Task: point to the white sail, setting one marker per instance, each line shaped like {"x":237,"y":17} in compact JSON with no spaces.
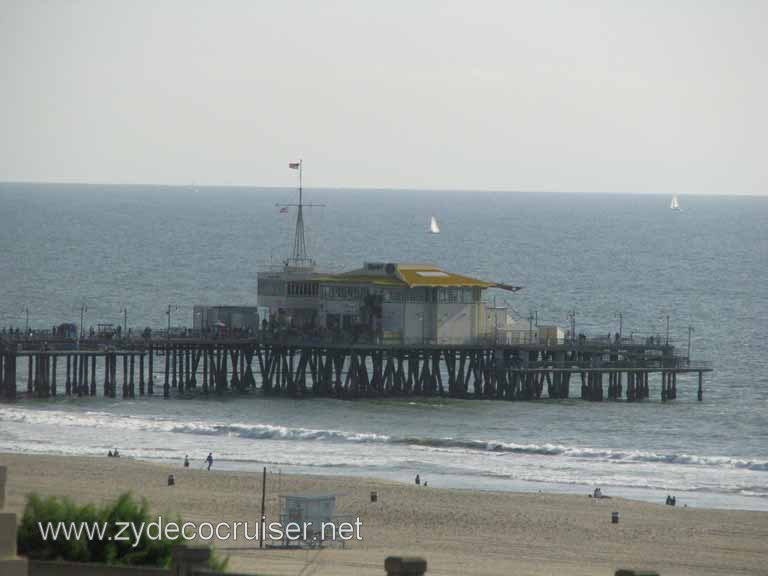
{"x":674,"y":205}
{"x":433,"y":227}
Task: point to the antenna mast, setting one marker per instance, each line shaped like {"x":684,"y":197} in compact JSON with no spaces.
{"x":299,"y":257}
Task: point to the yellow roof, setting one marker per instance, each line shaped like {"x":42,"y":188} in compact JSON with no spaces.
{"x":406,"y":276}
{"x":416,"y":275}
{"x":356,"y":277}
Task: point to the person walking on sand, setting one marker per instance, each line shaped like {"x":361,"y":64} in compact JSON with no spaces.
{"x":186,"y":461}
{"x":209,"y":460}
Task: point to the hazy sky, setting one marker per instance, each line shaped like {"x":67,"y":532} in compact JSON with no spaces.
{"x":635,"y":96}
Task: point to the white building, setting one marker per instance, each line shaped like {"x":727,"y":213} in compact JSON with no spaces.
{"x":502,"y":327}
{"x":391,"y":301}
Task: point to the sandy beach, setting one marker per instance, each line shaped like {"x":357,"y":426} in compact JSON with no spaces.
{"x":457,"y":531}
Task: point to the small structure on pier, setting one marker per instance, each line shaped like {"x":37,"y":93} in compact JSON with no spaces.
{"x":215,"y":318}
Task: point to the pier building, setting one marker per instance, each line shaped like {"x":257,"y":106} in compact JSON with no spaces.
{"x":388,"y":301}
{"x":384,"y":301}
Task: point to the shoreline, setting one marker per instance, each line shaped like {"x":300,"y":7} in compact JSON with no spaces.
{"x":713,"y":500}
{"x":458,"y":531}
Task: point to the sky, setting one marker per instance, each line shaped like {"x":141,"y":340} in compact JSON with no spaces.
{"x":594,"y":96}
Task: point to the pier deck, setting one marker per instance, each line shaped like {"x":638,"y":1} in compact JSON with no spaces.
{"x":597,"y":369}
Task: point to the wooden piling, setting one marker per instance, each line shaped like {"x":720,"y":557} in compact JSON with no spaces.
{"x":151,"y":374}
{"x":354,"y":371}
{"x":132,"y":382}
{"x":205,"y":370}
{"x":166,"y":384}
{"x":173,"y":367}
{"x":700,"y":394}
{"x":68,"y":382}
{"x":141,"y":373}
{"x":125,"y":376}
{"x":93,"y":374}
{"x":30,"y":384}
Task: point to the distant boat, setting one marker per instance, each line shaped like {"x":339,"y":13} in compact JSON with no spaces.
{"x":433,"y":227}
{"x":675,"y":205}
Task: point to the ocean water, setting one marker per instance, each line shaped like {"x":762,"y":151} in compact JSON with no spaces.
{"x":144,"y":247}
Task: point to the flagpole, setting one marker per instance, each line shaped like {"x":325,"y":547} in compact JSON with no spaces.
{"x":299,"y":256}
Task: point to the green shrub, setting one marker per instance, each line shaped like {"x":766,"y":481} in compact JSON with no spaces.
{"x":52,"y":509}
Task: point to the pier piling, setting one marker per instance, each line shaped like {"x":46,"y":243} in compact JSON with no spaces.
{"x":503,"y":372}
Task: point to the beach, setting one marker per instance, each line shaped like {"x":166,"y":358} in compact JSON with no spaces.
{"x":456,"y":531}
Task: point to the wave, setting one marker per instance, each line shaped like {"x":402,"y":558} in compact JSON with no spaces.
{"x":589,"y":453}
{"x":285,"y":433}
{"x":269,"y":432}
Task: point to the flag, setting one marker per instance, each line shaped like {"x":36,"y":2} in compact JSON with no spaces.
{"x":294,"y":165}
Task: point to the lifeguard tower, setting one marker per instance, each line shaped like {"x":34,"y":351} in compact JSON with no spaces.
{"x":314,"y":507}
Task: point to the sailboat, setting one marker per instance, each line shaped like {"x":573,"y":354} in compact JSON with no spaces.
{"x":675,"y":205}
{"x":433,"y":227}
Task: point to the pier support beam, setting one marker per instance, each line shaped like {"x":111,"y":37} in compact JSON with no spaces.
{"x":204,"y":352}
{"x":29,"y":376}
{"x":132,"y":382}
{"x":166,"y":384}
{"x":53,"y":375}
{"x":151,"y":375}
{"x":68,"y":382}
{"x":9,"y":380}
{"x":172,"y":359}
{"x":77,"y":374}
{"x":125,"y":376}
{"x":86,"y":374}
{"x":93,"y":375}
{"x":141,"y":374}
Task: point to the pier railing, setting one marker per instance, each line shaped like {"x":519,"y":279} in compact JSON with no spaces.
{"x":670,"y":363}
{"x":96,"y":341}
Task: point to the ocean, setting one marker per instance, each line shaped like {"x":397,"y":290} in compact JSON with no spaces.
{"x":145,"y":247}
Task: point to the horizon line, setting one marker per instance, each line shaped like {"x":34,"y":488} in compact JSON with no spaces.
{"x":376,"y":188}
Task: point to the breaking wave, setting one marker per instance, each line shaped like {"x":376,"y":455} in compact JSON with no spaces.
{"x":285,"y":433}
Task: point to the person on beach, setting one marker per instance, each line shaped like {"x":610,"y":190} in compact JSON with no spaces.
{"x":417,"y":480}
{"x":209,"y":460}
{"x":186,"y":461}
{"x":116,"y":454}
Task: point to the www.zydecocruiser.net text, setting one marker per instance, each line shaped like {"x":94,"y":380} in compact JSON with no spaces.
{"x":202,"y":531}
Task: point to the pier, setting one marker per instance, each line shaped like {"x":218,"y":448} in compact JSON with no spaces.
{"x":593,"y":370}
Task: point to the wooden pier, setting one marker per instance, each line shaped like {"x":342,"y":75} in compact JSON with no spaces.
{"x":182,"y":367}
